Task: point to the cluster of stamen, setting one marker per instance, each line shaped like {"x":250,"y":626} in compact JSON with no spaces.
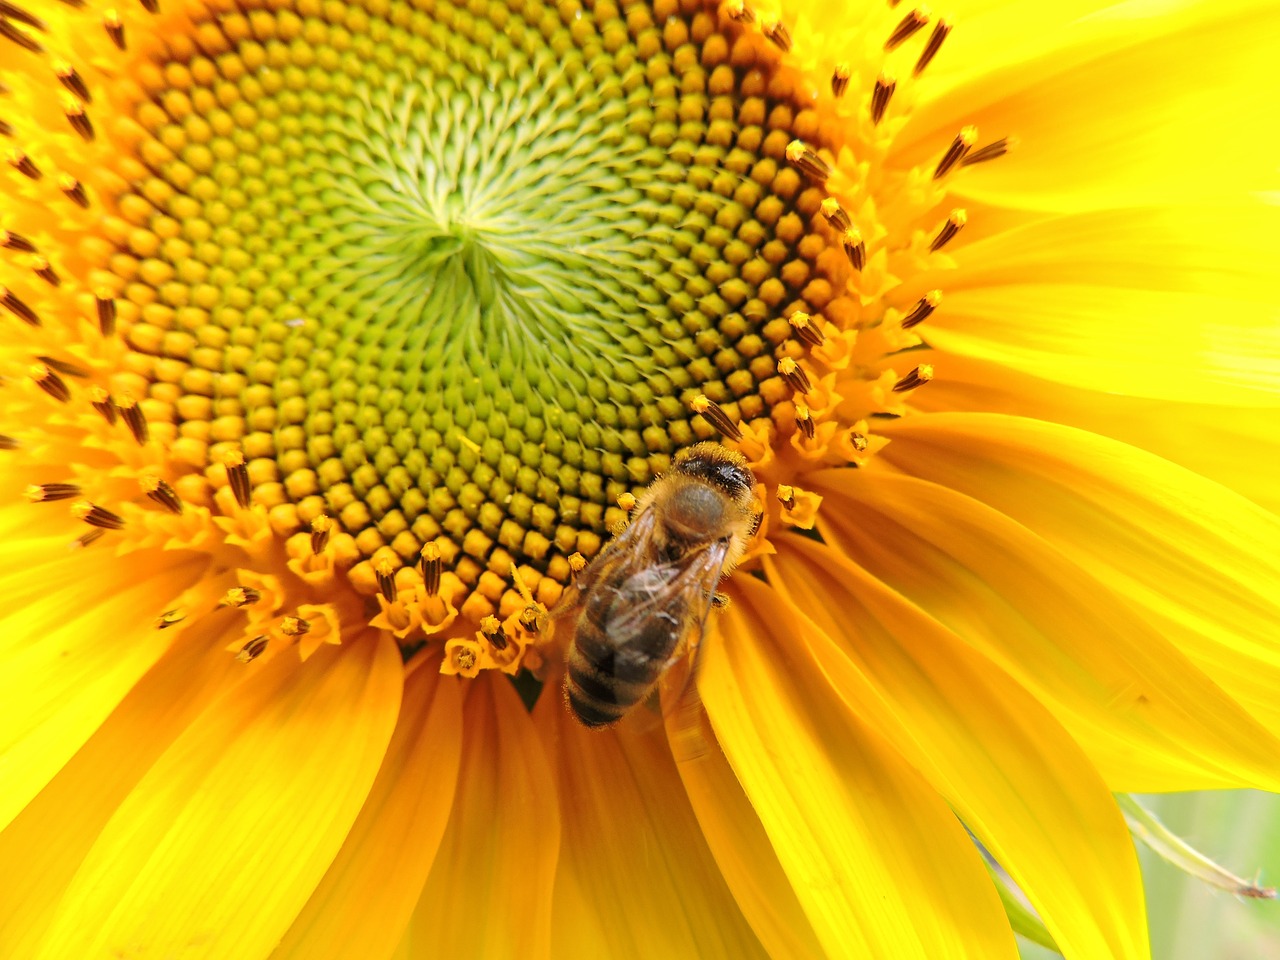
{"x":458,"y":514}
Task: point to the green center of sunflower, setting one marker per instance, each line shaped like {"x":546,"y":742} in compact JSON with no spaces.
{"x":453,"y":272}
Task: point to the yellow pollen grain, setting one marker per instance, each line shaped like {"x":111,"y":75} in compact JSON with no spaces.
{"x":462,"y":658}
{"x":294,"y":626}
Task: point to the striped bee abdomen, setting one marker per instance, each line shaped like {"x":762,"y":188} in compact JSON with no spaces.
{"x":622,"y":644}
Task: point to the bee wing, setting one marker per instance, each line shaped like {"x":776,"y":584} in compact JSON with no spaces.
{"x":628,"y":547}
{"x":681,"y":704}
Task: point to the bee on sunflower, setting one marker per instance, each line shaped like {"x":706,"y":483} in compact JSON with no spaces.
{"x":892,"y":392}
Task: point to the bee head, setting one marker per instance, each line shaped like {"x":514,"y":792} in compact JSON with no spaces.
{"x":719,"y":466}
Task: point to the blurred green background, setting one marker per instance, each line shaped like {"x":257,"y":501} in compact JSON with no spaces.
{"x":1240,"y":829}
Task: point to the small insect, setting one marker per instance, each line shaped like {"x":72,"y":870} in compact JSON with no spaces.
{"x":640,"y":607}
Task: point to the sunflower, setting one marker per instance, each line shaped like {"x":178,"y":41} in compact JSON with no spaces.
{"x":340,"y":335}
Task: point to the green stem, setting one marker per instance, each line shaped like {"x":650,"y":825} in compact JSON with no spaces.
{"x":1172,"y":848}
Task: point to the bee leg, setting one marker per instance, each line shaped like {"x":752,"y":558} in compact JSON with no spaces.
{"x":720,"y":600}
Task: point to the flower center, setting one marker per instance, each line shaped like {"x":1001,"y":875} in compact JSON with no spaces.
{"x":421,"y":295}
{"x":463,"y":273}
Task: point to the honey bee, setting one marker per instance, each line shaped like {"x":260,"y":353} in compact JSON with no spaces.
{"x":641,"y":605}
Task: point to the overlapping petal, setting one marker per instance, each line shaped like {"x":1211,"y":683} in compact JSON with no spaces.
{"x":393,"y":842}
{"x":219,"y":846}
{"x":633,"y":850}
{"x":1165,"y":303}
{"x":1004,"y":764}
{"x":1227,"y":444}
{"x":879,"y":863}
{"x":51,"y":836}
{"x":1132,"y":103}
{"x":489,"y":890}
{"x":1194,"y":560}
{"x":740,"y":845}
{"x":62,"y":676}
{"x":1145,"y":714}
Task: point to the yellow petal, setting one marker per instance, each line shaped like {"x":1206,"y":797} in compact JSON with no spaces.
{"x":54,"y":832}
{"x":741,"y":847}
{"x":635,"y":878}
{"x":1231,"y":445}
{"x":489,"y":891}
{"x":1197,"y":561}
{"x":881,"y":866}
{"x":393,"y":843}
{"x":1011,"y":772}
{"x":1170,"y":303}
{"x":1110,"y":114}
{"x":1147,"y":717}
{"x":221,"y":843}
{"x":63,"y":672}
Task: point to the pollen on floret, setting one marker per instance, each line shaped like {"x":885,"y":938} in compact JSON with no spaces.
{"x":461,"y":658}
{"x":799,"y":507}
{"x":104,"y":403}
{"x":854,"y":248}
{"x":806,"y":329}
{"x":162,"y":492}
{"x":940,"y":31}
{"x":97,"y":516}
{"x":991,"y":151}
{"x":881,"y":94}
{"x":292,"y":626}
{"x":922,"y":309}
{"x":794,"y":374}
{"x":960,"y":146}
{"x":804,"y":422}
{"x":239,"y":596}
{"x":48,"y":381}
{"x":908,"y":27}
{"x":840,"y":79}
{"x":238,"y":477}
{"x":705,"y":406}
{"x":916,"y":378}
{"x":955,"y":221}
{"x":105,"y":305}
{"x":74,"y":111}
{"x":431,"y":568}
{"x":71,"y":79}
{"x":23,"y":163}
{"x":19,"y":308}
{"x":133,"y":417}
{"x":73,"y":190}
{"x":48,"y":492}
{"x":801,"y":156}
{"x":491,"y":628}
{"x":16,"y":241}
{"x":776,"y":32}
{"x":253,"y":649}
{"x":385,"y":572}
{"x":321,"y":527}
{"x":114,"y":26}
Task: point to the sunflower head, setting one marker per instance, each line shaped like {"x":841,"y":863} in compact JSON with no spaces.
{"x":349,"y":337}
{"x":385,"y":302}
